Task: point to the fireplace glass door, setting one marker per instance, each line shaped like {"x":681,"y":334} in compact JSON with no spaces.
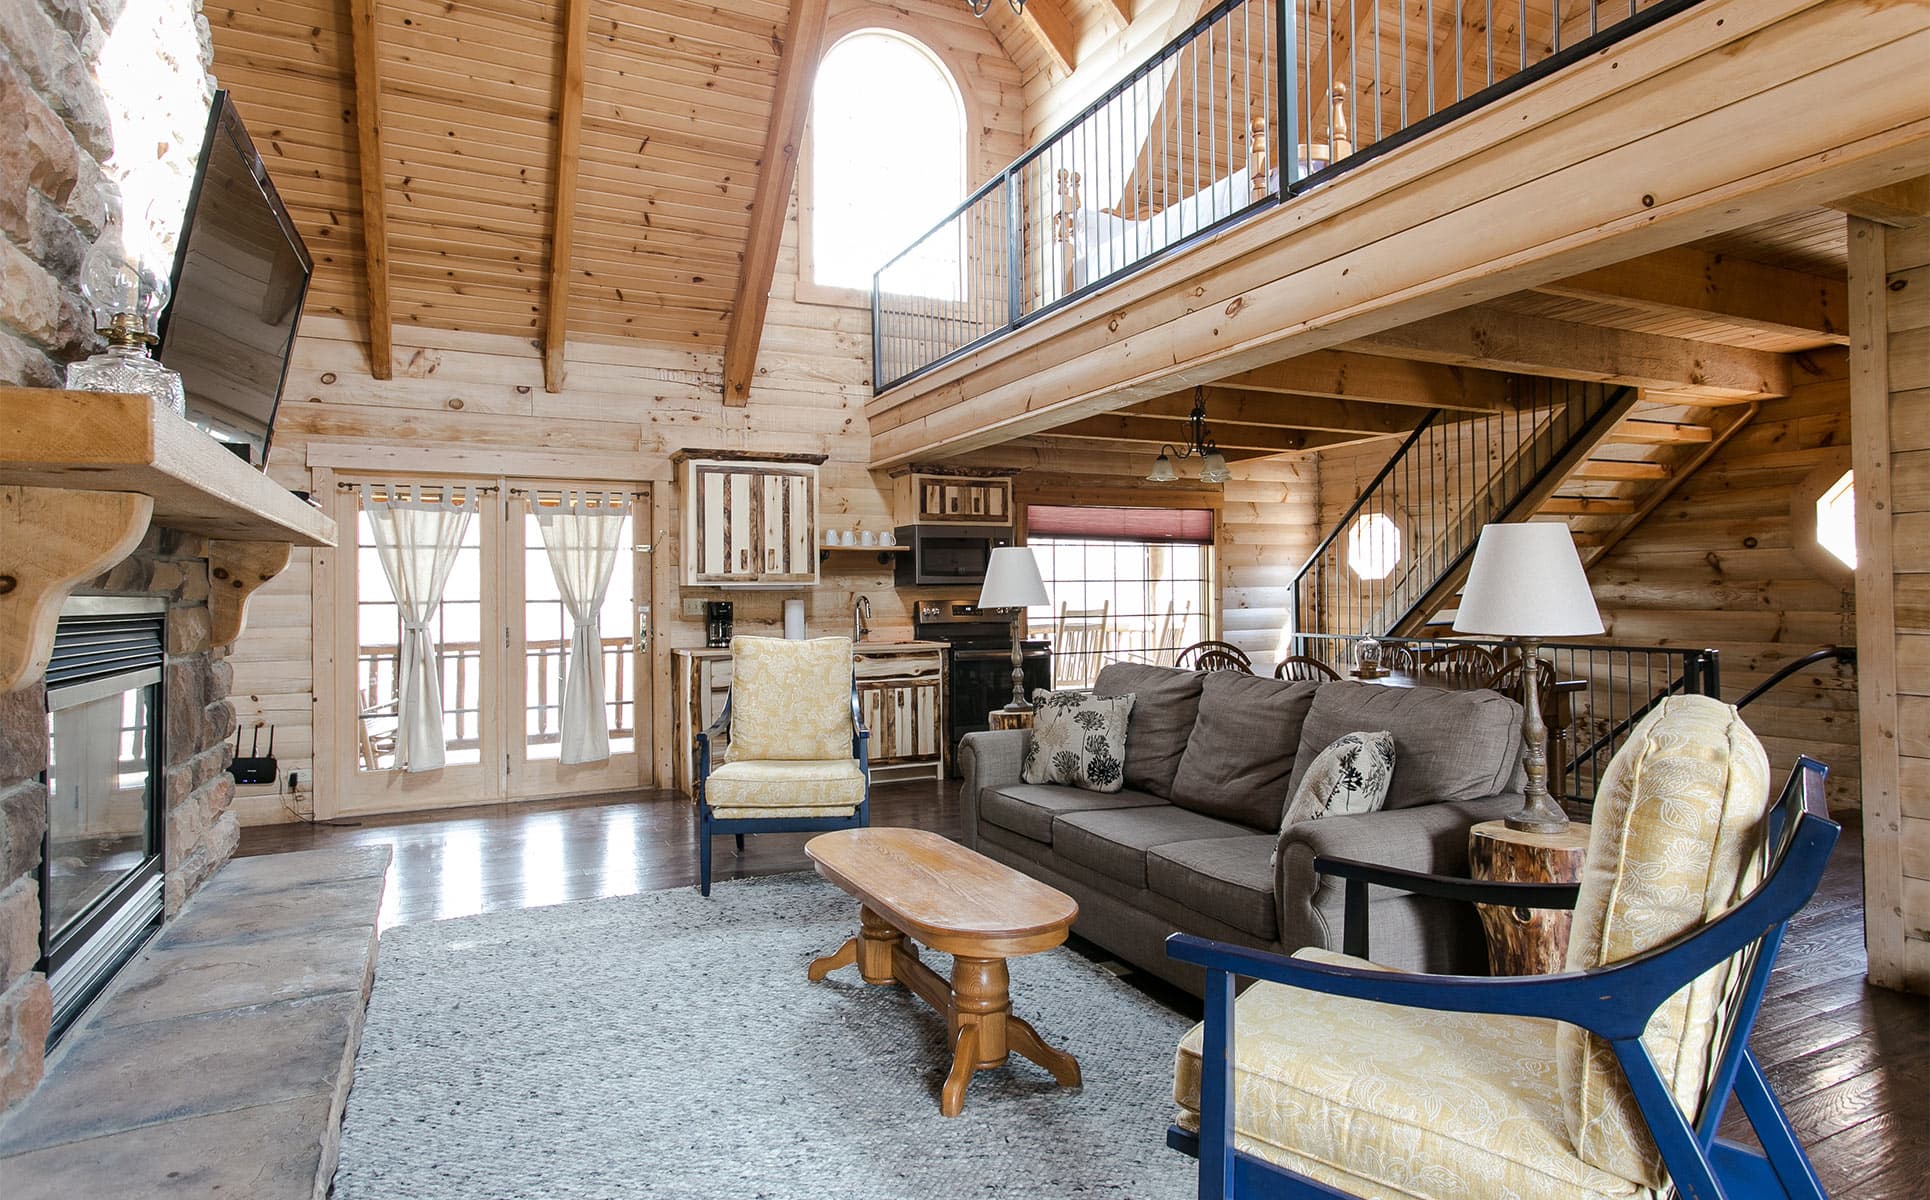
{"x":101,"y":860}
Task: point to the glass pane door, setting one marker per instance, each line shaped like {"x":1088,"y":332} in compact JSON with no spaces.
{"x":468,"y":667}
{"x":540,"y":644}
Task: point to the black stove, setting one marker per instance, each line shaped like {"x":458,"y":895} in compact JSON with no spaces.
{"x":981,"y":642}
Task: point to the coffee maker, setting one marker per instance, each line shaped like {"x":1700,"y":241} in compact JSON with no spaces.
{"x":717,"y":622}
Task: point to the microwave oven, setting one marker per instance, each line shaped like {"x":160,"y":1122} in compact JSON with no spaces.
{"x":943,"y":555}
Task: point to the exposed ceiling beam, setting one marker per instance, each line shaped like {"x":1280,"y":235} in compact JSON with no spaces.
{"x":569,"y":145}
{"x":1046,"y":21}
{"x":1898,"y":204}
{"x":1283,"y":411}
{"x":1123,"y":9}
{"x":1735,"y":291}
{"x":375,"y":204}
{"x":1155,"y":431}
{"x":1498,"y":340}
{"x":777,"y":167}
{"x":1341,"y":375}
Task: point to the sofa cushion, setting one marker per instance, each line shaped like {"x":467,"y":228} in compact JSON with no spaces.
{"x":1240,"y":758}
{"x":1447,"y":745}
{"x":783,"y":788}
{"x":1162,"y":720}
{"x":1078,"y":739}
{"x":1227,"y":878}
{"x":1027,"y":809}
{"x":1114,"y":842}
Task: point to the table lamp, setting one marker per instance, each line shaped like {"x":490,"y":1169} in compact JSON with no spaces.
{"x":1012,"y":581}
{"x":1527,"y":583}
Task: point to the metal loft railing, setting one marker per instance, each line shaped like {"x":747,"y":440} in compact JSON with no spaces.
{"x":1396,"y":553}
{"x":1192,"y":140}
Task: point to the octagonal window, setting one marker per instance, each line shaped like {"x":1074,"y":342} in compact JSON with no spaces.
{"x":1373,"y":546}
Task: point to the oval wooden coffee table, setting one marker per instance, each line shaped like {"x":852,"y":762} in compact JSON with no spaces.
{"x":912,"y":884}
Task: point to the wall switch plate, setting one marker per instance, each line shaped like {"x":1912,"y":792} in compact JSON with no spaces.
{"x":694,"y":607}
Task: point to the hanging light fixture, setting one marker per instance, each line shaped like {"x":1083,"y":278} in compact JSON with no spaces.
{"x":978,"y":7}
{"x":1213,"y":468}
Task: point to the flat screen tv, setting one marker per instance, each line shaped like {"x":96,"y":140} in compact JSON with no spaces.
{"x":240,"y":276}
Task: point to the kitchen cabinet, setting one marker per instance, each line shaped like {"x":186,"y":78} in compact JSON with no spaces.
{"x":903,"y":688}
{"x":749,"y":522}
{"x":945,"y":498}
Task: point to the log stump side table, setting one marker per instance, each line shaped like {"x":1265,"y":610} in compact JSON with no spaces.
{"x":1006,"y":719}
{"x":1525,"y":941}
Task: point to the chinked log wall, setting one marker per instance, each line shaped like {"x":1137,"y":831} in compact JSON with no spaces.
{"x":1732,"y":112}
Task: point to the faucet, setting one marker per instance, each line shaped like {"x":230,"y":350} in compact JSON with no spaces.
{"x":860,"y":618}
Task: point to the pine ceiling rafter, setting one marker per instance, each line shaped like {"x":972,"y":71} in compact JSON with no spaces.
{"x":569,"y":147}
{"x":1049,"y":23}
{"x":1236,"y":406}
{"x":369,"y":159}
{"x":803,"y":43}
{"x":1696,"y":283}
{"x":1495,"y":339}
{"x":1347,"y":375}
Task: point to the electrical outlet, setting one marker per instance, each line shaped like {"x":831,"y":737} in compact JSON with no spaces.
{"x":694,"y":607}
{"x":294,"y":781}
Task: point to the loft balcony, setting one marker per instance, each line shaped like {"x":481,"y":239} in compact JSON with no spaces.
{"x":1436,"y":156}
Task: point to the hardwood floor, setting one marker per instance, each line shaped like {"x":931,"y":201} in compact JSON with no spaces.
{"x":1851,"y":1063}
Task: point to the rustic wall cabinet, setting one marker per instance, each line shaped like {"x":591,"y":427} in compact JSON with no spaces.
{"x":749,"y":522}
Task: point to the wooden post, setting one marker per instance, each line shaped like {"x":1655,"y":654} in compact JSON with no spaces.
{"x":1525,"y":941}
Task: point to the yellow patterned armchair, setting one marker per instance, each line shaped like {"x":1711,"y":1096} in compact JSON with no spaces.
{"x":1335,"y":1077}
{"x":797,"y":760}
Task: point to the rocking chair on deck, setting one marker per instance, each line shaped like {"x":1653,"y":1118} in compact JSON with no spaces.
{"x":1610,"y":1079}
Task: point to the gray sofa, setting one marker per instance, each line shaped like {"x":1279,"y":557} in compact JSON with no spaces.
{"x":1190,"y":843}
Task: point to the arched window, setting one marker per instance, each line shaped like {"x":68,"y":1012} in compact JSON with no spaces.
{"x":887,"y":157}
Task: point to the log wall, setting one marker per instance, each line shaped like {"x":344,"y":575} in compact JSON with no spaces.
{"x":1890,"y":394}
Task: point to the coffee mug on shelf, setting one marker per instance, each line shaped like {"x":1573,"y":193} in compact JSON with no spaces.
{"x":867,"y":538}
{"x":847,"y":538}
{"x":887,"y":538}
{"x":830,"y":537}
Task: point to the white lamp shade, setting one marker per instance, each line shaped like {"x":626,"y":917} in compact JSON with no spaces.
{"x":1012,"y":580}
{"x":1527,"y":581}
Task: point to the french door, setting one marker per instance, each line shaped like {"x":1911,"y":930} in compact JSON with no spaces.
{"x":503,"y":636}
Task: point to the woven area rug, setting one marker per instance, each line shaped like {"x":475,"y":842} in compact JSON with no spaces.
{"x":668,"y":1045}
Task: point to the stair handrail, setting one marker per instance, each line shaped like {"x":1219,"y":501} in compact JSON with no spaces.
{"x":1700,"y":676}
{"x":1360,"y":501}
{"x":1840,"y":653}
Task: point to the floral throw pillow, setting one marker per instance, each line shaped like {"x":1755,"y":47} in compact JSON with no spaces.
{"x":1078,"y":739}
{"x":1350,"y":776}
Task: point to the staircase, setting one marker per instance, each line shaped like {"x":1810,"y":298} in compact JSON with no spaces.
{"x":1599,"y":458}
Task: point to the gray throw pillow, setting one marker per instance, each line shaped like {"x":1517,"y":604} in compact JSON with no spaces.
{"x":1162,"y":720}
{"x":1349,"y":777}
{"x":1078,"y":739}
{"x":1457,"y":745}
{"x":1241,"y":755}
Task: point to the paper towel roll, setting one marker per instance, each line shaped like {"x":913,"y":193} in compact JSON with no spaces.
{"x":794,"y":620}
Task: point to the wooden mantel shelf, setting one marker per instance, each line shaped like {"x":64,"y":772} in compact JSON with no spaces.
{"x":83,"y":475}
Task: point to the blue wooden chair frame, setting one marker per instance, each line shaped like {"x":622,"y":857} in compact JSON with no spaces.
{"x":1613,"y":1002}
{"x":709,"y":826}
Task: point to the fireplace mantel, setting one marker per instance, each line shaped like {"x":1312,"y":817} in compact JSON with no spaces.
{"x":83,"y":475}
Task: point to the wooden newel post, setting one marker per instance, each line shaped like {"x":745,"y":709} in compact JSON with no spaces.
{"x":1525,"y":941}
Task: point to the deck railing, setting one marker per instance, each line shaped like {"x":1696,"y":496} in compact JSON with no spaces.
{"x":1238,"y":114}
{"x":461,"y":663}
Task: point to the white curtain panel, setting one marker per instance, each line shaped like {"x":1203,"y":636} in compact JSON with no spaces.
{"x":583,"y":536}
{"x":417,"y":540}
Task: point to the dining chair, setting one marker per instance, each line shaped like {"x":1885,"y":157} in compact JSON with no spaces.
{"x":1461,"y":666}
{"x":1300,"y":667}
{"x":1214,"y":656}
{"x":1078,"y":643}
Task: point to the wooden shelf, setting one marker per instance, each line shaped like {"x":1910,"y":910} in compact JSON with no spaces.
{"x":104,"y":442}
{"x":884,"y":553}
{"x":85,"y":475}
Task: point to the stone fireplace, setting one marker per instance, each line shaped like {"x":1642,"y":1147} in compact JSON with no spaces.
{"x":197,"y":833}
